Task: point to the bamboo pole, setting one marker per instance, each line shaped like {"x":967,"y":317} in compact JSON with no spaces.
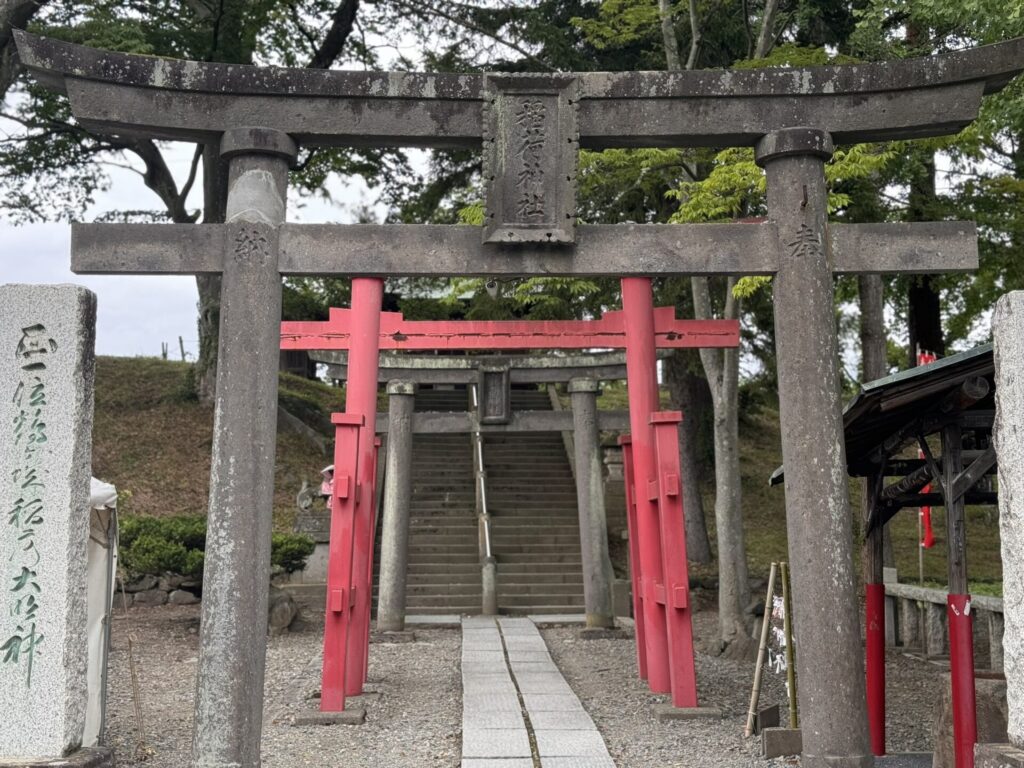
{"x":787,"y":602}
{"x":755,"y":694}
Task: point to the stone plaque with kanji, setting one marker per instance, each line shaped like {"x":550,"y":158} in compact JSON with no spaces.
{"x":531,"y":149}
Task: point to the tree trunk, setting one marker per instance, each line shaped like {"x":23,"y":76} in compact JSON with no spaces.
{"x":682,"y":384}
{"x":873,"y":343}
{"x":722,"y":369}
{"x":924,"y":319}
{"x":874,"y":359}
{"x":214,"y":202}
{"x":924,"y":312}
{"x":733,"y":583}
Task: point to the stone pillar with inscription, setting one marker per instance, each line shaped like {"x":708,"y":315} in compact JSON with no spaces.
{"x":236,"y":572}
{"x":47,"y":362}
{"x":830,"y":659}
{"x":1008,"y":335}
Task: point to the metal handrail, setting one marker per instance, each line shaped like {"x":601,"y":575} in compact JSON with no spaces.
{"x":481,"y":476}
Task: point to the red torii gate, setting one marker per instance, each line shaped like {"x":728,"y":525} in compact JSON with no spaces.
{"x":658,"y":564}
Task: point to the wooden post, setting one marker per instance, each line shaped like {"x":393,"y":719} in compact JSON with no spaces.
{"x":960,"y":621}
{"x":874,"y":624}
{"x":766,"y":623}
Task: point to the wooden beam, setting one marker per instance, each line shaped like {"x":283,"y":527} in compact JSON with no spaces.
{"x":608,"y":331}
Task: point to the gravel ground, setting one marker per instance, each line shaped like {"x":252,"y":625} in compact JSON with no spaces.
{"x":414,"y":700}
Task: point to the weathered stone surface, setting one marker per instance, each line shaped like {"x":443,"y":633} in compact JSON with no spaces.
{"x":570,"y":743}
{"x":182,"y":597}
{"x":666,"y":712}
{"x":394,"y":548}
{"x":910,"y":623}
{"x":353,"y":715}
{"x":990,"y":703}
{"x":936,"y":644}
{"x":780,"y":742}
{"x":150,"y":597}
{"x":1008,"y":335}
{"x":169,"y":582}
{"x":88,"y":757}
{"x":142,"y":583}
{"x":998,"y":756}
{"x":830,"y":663}
{"x":608,"y":250}
{"x":495,"y":742}
{"x":46,"y":408}
{"x":531,"y":151}
{"x":236,"y":571}
{"x":118,"y":93}
{"x":281,"y":610}
{"x":597,"y":564}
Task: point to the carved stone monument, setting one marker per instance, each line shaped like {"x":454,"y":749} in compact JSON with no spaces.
{"x":1008,"y":335}
{"x":46,"y":407}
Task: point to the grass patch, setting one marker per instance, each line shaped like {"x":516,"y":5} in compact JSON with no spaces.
{"x":154,"y":444}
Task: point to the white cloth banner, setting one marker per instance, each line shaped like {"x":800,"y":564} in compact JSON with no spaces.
{"x":102,"y":570}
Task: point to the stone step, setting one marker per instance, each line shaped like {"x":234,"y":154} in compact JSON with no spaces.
{"x":417,"y":558}
{"x":534,"y":600}
{"x":507,"y":558}
{"x":540,"y":588}
{"x":414,"y":602}
{"x":468,"y":609}
{"x":441,"y":552}
{"x":467,"y":589}
{"x":428,"y":568}
{"x":536,"y":545}
{"x":540,"y":609}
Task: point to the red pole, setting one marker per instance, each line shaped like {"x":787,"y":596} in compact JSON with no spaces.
{"x":961,"y":672}
{"x":642,"y":379}
{"x":875,"y":632}
{"x":676,"y":591}
{"x":635,"y":576}
{"x":338,"y":620}
{"x":361,"y":400}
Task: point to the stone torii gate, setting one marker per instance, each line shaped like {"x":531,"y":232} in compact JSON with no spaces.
{"x":531,"y":128}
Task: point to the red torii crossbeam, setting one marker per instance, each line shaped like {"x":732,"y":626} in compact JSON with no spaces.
{"x":608,"y":331}
{"x":657,"y":539}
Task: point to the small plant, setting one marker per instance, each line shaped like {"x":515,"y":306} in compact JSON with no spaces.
{"x":158,"y":545}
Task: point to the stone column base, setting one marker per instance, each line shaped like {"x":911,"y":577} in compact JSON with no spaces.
{"x":998,"y":756}
{"x":87,"y":757}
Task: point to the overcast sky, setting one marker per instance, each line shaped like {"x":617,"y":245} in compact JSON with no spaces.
{"x":138,"y":313}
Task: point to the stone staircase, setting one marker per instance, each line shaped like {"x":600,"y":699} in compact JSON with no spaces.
{"x":534,"y":523}
{"x":534,"y":520}
{"x":444,"y":558}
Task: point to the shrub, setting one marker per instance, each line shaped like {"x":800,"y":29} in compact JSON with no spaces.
{"x":289,"y":551}
{"x":157,"y":545}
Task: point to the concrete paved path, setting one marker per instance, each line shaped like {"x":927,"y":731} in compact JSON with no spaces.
{"x":517,"y":709}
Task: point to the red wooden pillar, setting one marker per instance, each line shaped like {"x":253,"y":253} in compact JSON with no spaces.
{"x":961,"y":670}
{"x":361,"y":400}
{"x":635,"y":576}
{"x":666,"y":490}
{"x":338,"y":629}
{"x":874,"y":607}
{"x":377,"y":442}
{"x":642,"y":378}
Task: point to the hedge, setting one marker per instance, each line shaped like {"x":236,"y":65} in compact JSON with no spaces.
{"x":158,"y":545}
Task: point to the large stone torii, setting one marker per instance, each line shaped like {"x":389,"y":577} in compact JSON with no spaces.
{"x":531,"y":127}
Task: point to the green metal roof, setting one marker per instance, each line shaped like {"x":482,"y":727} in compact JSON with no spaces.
{"x":884,"y":406}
